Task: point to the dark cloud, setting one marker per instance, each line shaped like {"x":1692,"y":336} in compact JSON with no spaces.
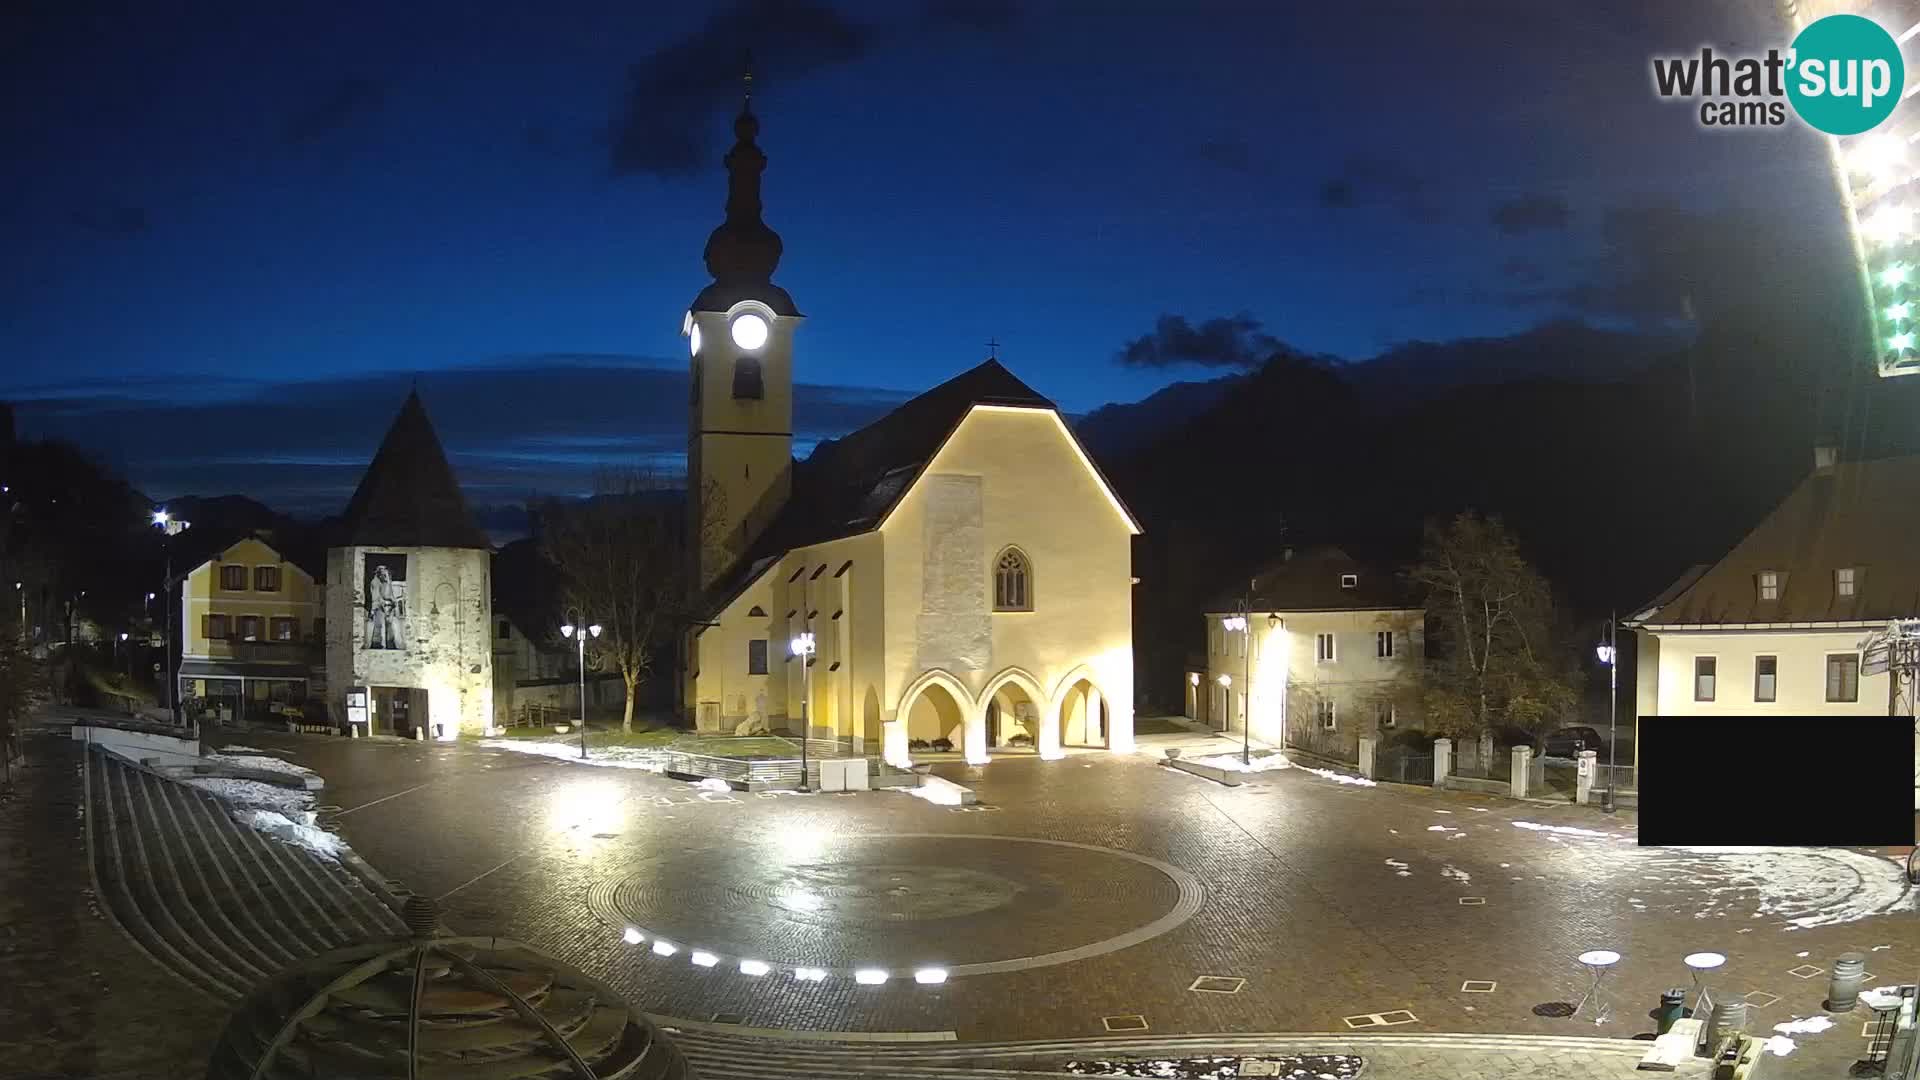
{"x":1229,"y":341}
{"x":111,"y":220}
{"x":986,"y":16}
{"x":1523,"y":270}
{"x":1377,"y":182}
{"x":1232,"y":154}
{"x":665,"y":124}
{"x":1531,"y":213}
{"x":301,"y":447}
{"x":335,"y":108}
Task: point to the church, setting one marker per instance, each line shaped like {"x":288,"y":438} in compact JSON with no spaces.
{"x":957,"y":573}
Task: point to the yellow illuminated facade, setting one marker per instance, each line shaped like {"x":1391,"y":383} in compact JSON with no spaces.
{"x":250,"y":629}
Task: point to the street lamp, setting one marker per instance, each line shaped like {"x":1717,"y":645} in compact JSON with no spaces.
{"x":1238,"y":621}
{"x":803,"y":647}
{"x":170,"y":527}
{"x":580,"y":634}
{"x":1609,"y":655}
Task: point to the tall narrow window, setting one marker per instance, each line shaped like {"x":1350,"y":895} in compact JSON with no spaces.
{"x":1323,"y":649}
{"x":1766,"y":678}
{"x":1329,"y":714}
{"x":249,"y":627}
{"x":1769,"y":585}
{"x":1012,"y":582}
{"x":1704,"y":669}
{"x":1843,"y":582}
{"x":217,"y":627}
{"x":283,"y":629}
{"x":1383,"y":644}
{"x":233,"y":578}
{"x":1384,"y":715}
{"x":1843,"y":677}
{"x":757,"y":656}
{"x":746,"y":379}
{"x":266,"y":579}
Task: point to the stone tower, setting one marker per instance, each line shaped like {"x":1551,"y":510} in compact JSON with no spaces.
{"x":409,"y":599}
{"x":740,"y":334}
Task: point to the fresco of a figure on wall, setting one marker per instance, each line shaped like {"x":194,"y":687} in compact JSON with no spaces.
{"x":386,"y":600}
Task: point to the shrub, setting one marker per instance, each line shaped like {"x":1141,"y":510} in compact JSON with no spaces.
{"x":1020,"y":740}
{"x":942,"y":745}
{"x":916,"y":744}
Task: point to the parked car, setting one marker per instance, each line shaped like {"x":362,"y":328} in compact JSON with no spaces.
{"x":1568,"y":742}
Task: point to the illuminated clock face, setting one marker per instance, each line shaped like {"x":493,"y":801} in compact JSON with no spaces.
{"x":749,"y":331}
{"x":693,"y":339}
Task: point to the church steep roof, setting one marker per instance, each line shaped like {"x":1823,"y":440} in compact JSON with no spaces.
{"x":408,"y":497}
{"x":848,"y":485}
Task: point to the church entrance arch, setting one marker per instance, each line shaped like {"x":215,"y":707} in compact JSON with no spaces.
{"x":1015,"y":709}
{"x":1085,"y":716}
{"x":935,"y":707}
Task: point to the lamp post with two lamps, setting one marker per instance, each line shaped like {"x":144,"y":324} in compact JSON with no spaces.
{"x":803,"y":647}
{"x":579,"y":634}
{"x":1238,"y":622}
{"x":1609,"y":654}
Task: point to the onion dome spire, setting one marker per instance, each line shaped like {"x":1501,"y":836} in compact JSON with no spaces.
{"x":743,"y":250}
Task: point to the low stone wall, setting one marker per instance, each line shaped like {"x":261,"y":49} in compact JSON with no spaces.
{"x":141,"y":746}
{"x":1209,"y":772}
{"x":1485,"y":787}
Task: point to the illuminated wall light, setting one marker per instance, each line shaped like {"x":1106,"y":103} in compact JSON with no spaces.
{"x":754,"y":967}
{"x":1897,"y":312}
{"x":665,"y":948}
{"x":1894,"y":275}
{"x":930,"y":976}
{"x":633,"y":936}
{"x":870,"y":976}
{"x":809,"y":975}
{"x":703,"y":959}
{"x":1901,"y":342}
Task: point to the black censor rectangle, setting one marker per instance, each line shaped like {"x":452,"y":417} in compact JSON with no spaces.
{"x":1776,"y":781}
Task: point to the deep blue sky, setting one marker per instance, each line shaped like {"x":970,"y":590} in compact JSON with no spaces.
{"x":231,"y":237}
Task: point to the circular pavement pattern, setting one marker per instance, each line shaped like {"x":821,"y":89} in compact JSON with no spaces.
{"x":902,"y":901}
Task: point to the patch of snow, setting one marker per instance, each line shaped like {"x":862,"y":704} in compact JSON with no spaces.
{"x":241,"y":750}
{"x":1802,"y":955}
{"x":1396,"y":864}
{"x":1439,"y":828}
{"x":1811,"y":1025}
{"x":255,"y":793}
{"x":1880,"y":948}
{"x":1814,"y":887}
{"x":1549,"y":759}
{"x":1455,"y":873}
{"x":1443,"y":811}
{"x":711,"y":783}
{"x":1779,"y":1045}
{"x":1481,"y":810}
{"x":1557,"y":830}
{"x":1232,"y":763}
{"x":1506,"y":866}
{"x":1339,"y":778}
{"x":617,"y":757}
{"x":305,"y":834}
{"x":255,"y":759}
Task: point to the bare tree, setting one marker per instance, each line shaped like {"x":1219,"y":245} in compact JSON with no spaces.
{"x":1491,"y":614}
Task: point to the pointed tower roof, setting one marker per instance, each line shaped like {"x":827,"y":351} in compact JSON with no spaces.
{"x":743,"y":252}
{"x":408,"y":497}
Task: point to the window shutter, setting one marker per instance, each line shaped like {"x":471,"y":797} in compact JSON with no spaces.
{"x":206,"y":626}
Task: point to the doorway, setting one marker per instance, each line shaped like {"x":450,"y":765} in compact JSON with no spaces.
{"x":399,"y":711}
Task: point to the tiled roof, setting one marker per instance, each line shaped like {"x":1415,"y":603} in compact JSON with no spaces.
{"x":408,"y":497}
{"x":1310,"y":580}
{"x":1862,"y":515}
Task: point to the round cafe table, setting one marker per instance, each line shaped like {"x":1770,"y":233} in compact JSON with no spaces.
{"x":1597,"y":962}
{"x":1699,"y":963}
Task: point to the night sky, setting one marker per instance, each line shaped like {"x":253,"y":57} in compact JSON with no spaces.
{"x":234,"y":237}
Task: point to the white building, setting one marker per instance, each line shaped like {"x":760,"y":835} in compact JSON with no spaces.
{"x":409,"y":604}
{"x":1777,"y":625}
{"x":960,"y":566}
{"x":1322,"y":659}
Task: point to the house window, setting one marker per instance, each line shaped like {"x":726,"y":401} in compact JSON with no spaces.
{"x":1349,"y":581}
{"x":249,"y":627}
{"x":1012,"y":582}
{"x":233,"y":578}
{"x":217,"y":627}
{"x":1328,"y":713}
{"x":1769,"y":585}
{"x":506,"y":630}
{"x":1843,"y":580}
{"x":757,"y":656}
{"x":746,"y":379}
{"x":283,"y":629}
{"x":1703,"y":677}
{"x":1843,"y":677}
{"x":1766,"y":678}
{"x":1323,"y":649}
{"x":266,"y":579}
{"x":1383,"y":644}
{"x":1384,"y":715}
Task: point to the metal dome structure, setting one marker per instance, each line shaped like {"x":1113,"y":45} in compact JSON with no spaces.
{"x":447,"y":1008}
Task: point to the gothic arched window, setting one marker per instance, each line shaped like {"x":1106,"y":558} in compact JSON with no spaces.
{"x":1012,"y":581}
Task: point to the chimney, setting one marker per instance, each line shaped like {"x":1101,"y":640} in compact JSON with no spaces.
{"x":1824,"y":458}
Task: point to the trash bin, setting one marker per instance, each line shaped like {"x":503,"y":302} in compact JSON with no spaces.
{"x":1843,"y":992}
{"x":1673,"y":1009}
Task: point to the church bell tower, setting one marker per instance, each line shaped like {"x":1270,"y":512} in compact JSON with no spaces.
{"x":740,"y":336}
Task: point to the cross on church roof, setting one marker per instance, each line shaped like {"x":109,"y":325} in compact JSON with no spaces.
{"x":993,"y":349}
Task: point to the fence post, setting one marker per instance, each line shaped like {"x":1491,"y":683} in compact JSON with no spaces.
{"x":1442,"y":761}
{"x":1585,"y":777}
{"x":1522,"y":771}
{"x":1366,"y":757}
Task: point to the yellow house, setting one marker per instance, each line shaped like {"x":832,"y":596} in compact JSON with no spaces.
{"x":958,"y":570}
{"x":250,"y":630}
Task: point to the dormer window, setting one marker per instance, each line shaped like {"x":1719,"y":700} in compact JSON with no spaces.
{"x":1349,"y":581}
{"x":1844,"y":582}
{"x":1769,"y":585}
